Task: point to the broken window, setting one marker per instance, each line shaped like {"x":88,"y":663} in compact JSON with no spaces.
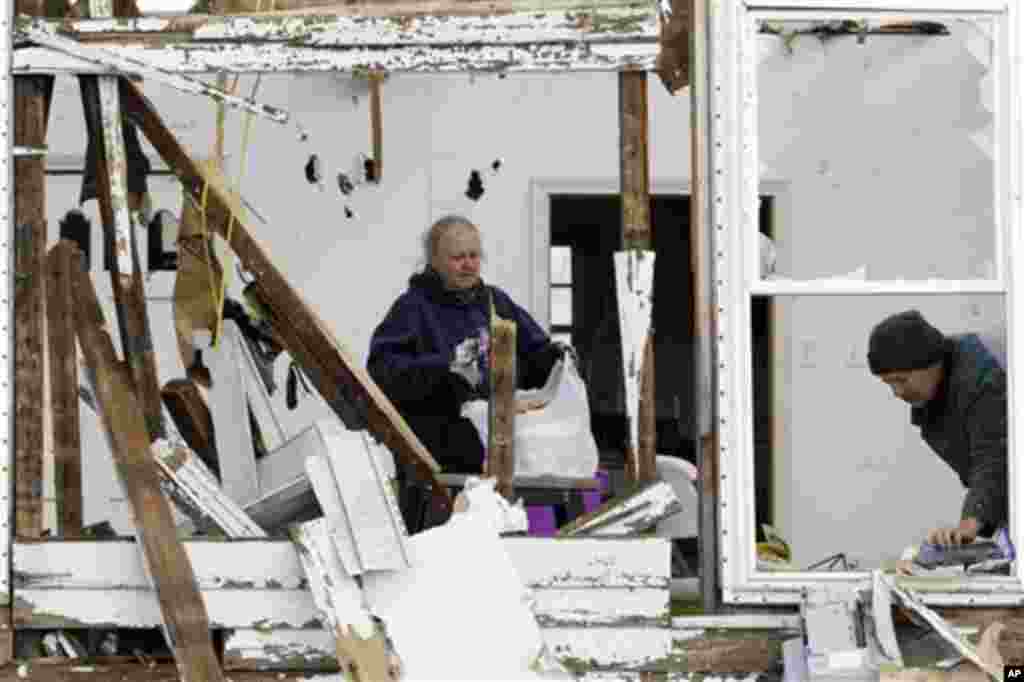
{"x":890,"y":141}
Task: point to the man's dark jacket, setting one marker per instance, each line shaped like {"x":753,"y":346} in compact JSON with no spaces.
{"x":412,"y":348}
{"x":965,"y":424}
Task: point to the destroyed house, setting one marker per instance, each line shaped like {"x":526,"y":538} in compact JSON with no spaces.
{"x":713,"y":203}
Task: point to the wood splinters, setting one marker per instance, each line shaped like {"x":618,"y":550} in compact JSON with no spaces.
{"x":366,"y":660}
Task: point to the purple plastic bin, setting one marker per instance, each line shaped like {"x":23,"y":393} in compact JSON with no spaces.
{"x":542,"y":518}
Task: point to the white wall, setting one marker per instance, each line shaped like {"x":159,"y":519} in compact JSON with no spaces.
{"x":874,"y":143}
{"x":436,"y":129}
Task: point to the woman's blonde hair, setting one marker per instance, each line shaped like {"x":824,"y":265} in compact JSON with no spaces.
{"x":432,"y":237}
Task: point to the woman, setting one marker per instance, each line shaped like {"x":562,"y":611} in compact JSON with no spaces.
{"x":429,"y":354}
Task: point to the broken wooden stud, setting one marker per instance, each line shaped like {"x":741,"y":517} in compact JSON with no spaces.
{"x":31,"y":95}
{"x":186,"y":625}
{"x":501,"y":431}
{"x":197,"y":493}
{"x":638,"y":350}
{"x":64,"y":396}
{"x":647,"y":416}
{"x":344,"y":384}
{"x":102,"y":93}
{"x":673,"y":61}
{"x":377,"y":125}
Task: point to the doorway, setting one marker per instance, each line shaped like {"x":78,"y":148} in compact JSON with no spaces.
{"x":585,"y":230}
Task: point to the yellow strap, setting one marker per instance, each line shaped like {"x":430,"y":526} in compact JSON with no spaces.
{"x":218,"y":296}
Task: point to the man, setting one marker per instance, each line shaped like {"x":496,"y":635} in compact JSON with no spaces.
{"x":957,"y":392}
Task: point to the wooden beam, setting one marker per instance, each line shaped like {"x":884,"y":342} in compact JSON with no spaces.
{"x":64,"y":387}
{"x":501,"y":462}
{"x":344,"y":385}
{"x":100,"y":97}
{"x":702,"y":250}
{"x":647,"y":470}
{"x":192,"y":417}
{"x":186,"y":625}
{"x":31,"y":96}
{"x":636,"y":235}
{"x":377,"y":124}
{"x":117,"y":61}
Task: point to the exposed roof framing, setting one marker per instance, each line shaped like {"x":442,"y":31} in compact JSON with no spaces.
{"x":604,"y":35}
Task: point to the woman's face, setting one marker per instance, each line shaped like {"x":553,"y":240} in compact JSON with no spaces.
{"x":458,"y":257}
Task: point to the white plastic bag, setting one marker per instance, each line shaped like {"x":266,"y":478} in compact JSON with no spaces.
{"x":554,"y":440}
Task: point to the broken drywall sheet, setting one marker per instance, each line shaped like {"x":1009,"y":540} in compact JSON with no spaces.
{"x":473,"y":602}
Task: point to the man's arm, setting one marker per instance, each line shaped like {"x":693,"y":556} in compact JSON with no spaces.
{"x":986,"y":500}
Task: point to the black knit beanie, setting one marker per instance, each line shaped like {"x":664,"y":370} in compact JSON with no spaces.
{"x":904,"y":341}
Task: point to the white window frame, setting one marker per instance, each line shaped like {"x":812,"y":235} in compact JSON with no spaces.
{"x":733,"y":180}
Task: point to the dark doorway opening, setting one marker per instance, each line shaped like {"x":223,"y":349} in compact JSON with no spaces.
{"x":586,"y":229}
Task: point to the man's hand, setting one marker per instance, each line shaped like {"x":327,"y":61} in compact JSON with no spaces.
{"x":963,"y":534}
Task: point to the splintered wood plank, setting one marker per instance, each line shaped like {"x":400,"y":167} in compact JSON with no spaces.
{"x":64,"y":387}
{"x":31,"y":95}
{"x":359,"y":645}
{"x":501,"y":461}
{"x":101,"y":101}
{"x":196,"y":491}
{"x":185,"y":621}
{"x":343,"y":382}
{"x":628,"y":514}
